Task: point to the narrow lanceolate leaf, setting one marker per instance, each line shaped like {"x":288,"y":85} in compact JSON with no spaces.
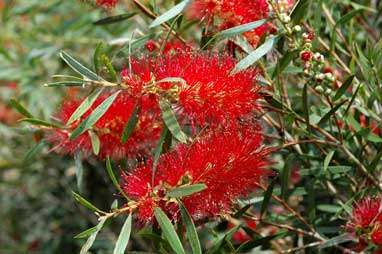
{"x":86,"y":203}
{"x":169,"y":231}
{"x":124,"y":236}
{"x":20,"y":108}
{"x":114,"y":19}
{"x":174,"y":11}
{"x":335,"y":241}
{"x":255,"y":55}
{"x":86,"y":233}
{"x":240,"y":29}
{"x":186,"y":190}
{"x":78,"y":67}
{"x":299,"y":10}
{"x":39,"y":122}
{"x":190,"y":230}
{"x":95,"y":142}
{"x":328,"y":159}
{"x":158,"y":150}
{"x":305,"y":107}
{"x":65,"y":83}
{"x":331,"y":112}
{"x":133,"y":120}
{"x":344,"y":87}
{"x":97,"y":56}
{"x":79,"y":170}
{"x":172,"y":80}
{"x":112,"y":176}
{"x":267,"y":197}
{"x":109,"y":67}
{"x":84,"y":106}
{"x":171,"y":122}
{"x":88,"y":244}
{"x":34,"y":151}
{"x":94,"y":116}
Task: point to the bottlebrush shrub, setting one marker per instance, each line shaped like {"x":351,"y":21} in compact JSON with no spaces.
{"x":190,"y":115}
{"x":230,"y":162}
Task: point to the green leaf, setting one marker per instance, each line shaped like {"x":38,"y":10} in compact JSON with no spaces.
{"x":327,"y":160}
{"x":86,"y":203}
{"x":335,"y":241}
{"x":331,"y":112}
{"x":283,"y":63}
{"x":97,"y":113}
{"x":86,"y":233}
{"x":97,"y":56}
{"x":114,"y":19}
{"x":344,"y":87}
{"x":20,"y":108}
{"x":34,"y":151}
{"x":109,"y":67}
{"x":109,"y":170}
{"x":88,"y":244}
{"x":131,"y":123}
{"x":95,"y":142}
{"x":174,"y":11}
{"x":240,"y":29}
{"x":217,"y":244}
{"x":190,"y":229}
{"x":285,"y":175}
{"x":78,"y":67}
{"x":171,"y":121}
{"x":305,"y":107}
{"x":328,"y":208}
{"x":267,"y":197}
{"x":255,"y":55}
{"x":39,"y":122}
{"x":344,"y":19}
{"x":79,"y":170}
{"x":299,"y":11}
{"x":186,"y":190}
{"x":158,"y":149}
{"x":84,"y":106}
{"x":65,"y":83}
{"x":172,"y":80}
{"x":168,"y":231}
{"x":124,"y":236}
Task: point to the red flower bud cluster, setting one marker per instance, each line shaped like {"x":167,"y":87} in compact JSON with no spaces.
{"x":229,"y":162}
{"x":366,"y":223}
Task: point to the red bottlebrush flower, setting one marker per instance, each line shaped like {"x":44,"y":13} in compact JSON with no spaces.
{"x":376,"y":236}
{"x":107,"y":3}
{"x":229,"y":163}
{"x":109,"y":129}
{"x":232,"y":13}
{"x":208,"y":95}
{"x":366,"y":223}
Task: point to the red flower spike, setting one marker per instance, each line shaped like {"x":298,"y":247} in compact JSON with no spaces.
{"x":229,"y":163}
{"x":232,"y":13}
{"x":107,"y":3}
{"x":208,"y":95}
{"x":376,"y":236}
{"x":109,"y":129}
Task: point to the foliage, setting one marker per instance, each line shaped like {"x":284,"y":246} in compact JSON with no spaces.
{"x":237,"y":126}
